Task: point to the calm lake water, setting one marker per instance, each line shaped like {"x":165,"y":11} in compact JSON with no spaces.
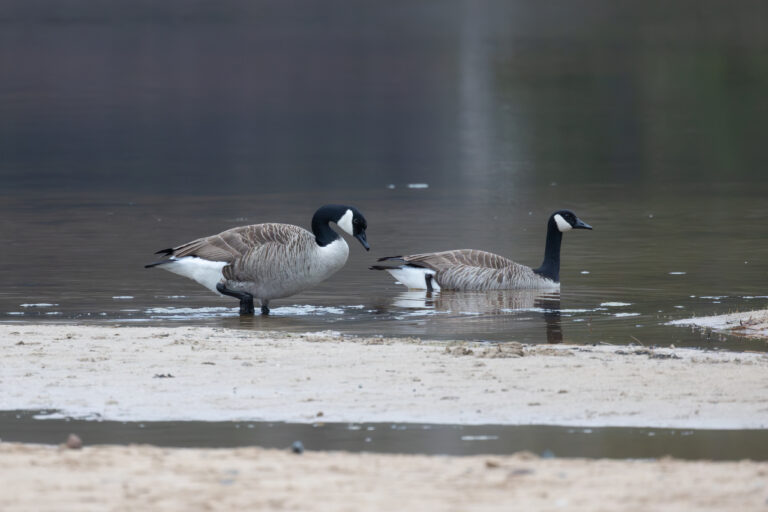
{"x":648,"y":260}
{"x":130,"y":127}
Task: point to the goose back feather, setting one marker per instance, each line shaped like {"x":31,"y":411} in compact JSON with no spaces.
{"x":472,"y":269}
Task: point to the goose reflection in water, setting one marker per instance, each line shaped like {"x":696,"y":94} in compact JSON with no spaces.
{"x":489,"y":303}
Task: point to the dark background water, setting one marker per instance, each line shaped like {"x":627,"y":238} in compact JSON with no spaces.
{"x":126,"y":127}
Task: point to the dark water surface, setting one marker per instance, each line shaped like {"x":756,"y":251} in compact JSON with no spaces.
{"x":647,"y":261}
{"x":545,"y":440}
{"x":128,"y":127}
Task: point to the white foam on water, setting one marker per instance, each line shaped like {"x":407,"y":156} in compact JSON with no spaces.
{"x":418,"y":185}
{"x":122,"y":297}
{"x":677,"y":273}
{"x":302,"y":310}
{"x":625,"y":314}
{"x":616,"y":304}
{"x":15,"y":313}
{"x":38,"y":305}
{"x":479,"y":438}
{"x":182,"y":311}
{"x":187,"y":313}
{"x":585,"y":272}
{"x":545,"y":310}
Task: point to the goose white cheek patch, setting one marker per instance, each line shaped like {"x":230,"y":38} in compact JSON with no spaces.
{"x":345,"y":222}
{"x":562,"y":224}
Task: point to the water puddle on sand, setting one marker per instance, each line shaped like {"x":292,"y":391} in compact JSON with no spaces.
{"x":547,"y":441}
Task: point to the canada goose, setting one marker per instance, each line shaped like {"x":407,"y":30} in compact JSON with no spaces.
{"x":470,"y":269}
{"x":268,"y":261}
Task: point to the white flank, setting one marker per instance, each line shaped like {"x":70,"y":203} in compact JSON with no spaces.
{"x":413,"y":278}
{"x":562,"y":224}
{"x":345,"y":222}
{"x":205,"y":272}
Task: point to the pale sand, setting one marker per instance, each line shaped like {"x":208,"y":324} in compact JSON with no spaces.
{"x":128,"y":478}
{"x":753,"y":324}
{"x":218,"y":374}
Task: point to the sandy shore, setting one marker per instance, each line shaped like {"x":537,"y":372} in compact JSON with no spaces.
{"x":140,"y":373}
{"x":148,"y":478}
{"x":748,"y":323}
{"x":188,"y":373}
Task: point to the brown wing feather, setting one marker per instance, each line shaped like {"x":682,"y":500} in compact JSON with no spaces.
{"x":470,"y":269}
{"x":235,"y":243}
{"x":439,"y":261}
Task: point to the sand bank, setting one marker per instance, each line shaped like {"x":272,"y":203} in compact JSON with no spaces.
{"x":148,"y":478}
{"x":748,"y":323}
{"x":193,"y":373}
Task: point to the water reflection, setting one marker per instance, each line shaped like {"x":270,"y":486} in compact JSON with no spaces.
{"x":488,"y":303}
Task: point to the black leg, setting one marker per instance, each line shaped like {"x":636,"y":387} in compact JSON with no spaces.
{"x":246,"y":299}
{"x":428,"y":279}
{"x":265,"y":307}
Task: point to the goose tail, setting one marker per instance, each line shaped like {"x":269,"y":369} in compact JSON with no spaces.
{"x":164,"y":252}
{"x":383,"y":267}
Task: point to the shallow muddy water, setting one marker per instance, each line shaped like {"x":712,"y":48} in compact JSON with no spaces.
{"x":548,"y":441}
{"x":128,"y":128}
{"x":620,"y":283}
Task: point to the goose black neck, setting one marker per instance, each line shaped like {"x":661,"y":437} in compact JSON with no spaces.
{"x":550,"y":267}
{"x":324,"y":235}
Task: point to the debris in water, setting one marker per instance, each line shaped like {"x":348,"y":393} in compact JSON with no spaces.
{"x":297,"y":447}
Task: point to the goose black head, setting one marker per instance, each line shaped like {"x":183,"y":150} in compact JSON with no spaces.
{"x":566,"y":220}
{"x":348,"y":218}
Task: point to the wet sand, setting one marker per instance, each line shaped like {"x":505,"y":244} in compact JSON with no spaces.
{"x":148,"y":478}
{"x":193,"y":373}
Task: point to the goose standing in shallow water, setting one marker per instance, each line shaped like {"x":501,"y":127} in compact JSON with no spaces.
{"x":470,"y":269}
{"x":268,"y":261}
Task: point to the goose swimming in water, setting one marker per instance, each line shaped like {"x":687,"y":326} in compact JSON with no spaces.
{"x":268,"y":261}
{"x":470,"y":269}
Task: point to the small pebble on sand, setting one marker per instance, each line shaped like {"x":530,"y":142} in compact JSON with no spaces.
{"x":74,"y":442}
